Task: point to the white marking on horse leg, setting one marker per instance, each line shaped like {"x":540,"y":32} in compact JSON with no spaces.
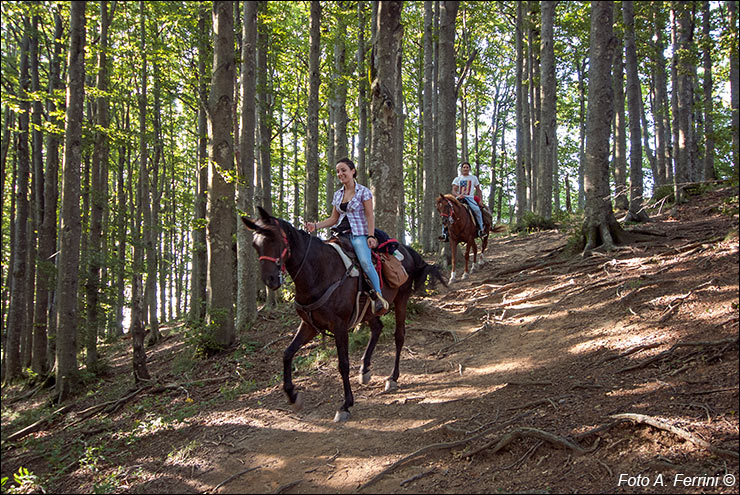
{"x":298,"y":404}
{"x":365,"y":377}
{"x":391,"y":385}
{"x":341,"y":416}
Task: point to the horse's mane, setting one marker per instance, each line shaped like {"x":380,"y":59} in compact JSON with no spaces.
{"x":451,"y":197}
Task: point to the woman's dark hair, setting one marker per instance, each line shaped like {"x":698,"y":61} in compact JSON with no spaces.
{"x":350,"y":164}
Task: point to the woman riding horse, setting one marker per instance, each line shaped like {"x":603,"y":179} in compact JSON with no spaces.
{"x":461,"y":228}
{"x":325,"y":298}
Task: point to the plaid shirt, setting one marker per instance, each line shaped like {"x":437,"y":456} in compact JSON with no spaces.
{"x":355,"y":208}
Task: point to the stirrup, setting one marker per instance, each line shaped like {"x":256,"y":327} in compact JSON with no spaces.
{"x":380,"y":306}
{"x":444,"y":237}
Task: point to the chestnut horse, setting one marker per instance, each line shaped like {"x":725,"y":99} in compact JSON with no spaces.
{"x":326,"y":295}
{"x":462,"y":228}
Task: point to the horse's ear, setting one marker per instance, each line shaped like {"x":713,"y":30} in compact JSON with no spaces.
{"x":441,"y":195}
{"x":250,"y":224}
{"x":263,"y":213}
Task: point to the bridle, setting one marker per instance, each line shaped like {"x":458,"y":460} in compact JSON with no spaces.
{"x":280,"y":261}
{"x":451,"y":214}
{"x":285,"y":254}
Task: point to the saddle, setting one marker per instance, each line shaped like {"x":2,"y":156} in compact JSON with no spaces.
{"x":487,"y":217}
{"x":386,"y":256}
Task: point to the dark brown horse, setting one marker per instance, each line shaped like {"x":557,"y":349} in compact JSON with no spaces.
{"x":325,"y":297}
{"x":462,"y":228}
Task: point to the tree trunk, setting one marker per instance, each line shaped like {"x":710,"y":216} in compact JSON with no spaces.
{"x":600,"y":227}
{"x":246,"y":307}
{"x":634,"y":101}
{"x":734,"y":87}
{"x":70,"y":230}
{"x":387,"y":177}
{"x":548,"y":128}
{"x":312,"y":128}
{"x":340,"y":87}
{"x":17,"y":314}
{"x":45,"y":271}
{"x":619,"y":162}
{"x":200,"y":263}
{"x":361,"y":94}
{"x":99,"y":163}
{"x":221,"y":214}
{"x":447,"y":109}
{"x":428,"y":216}
{"x":708,"y":103}
{"x":521,"y":123}
{"x":682,"y":49}
{"x":138,"y":314}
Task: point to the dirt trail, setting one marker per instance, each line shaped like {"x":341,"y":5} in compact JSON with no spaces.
{"x":522,"y":363}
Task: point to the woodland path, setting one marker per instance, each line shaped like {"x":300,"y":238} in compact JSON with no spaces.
{"x":510,"y":381}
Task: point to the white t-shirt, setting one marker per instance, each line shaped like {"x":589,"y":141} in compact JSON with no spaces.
{"x":467,"y":184}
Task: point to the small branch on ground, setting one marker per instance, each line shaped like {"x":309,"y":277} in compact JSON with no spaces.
{"x":418,"y":476}
{"x":288,"y":486}
{"x":231,"y":478}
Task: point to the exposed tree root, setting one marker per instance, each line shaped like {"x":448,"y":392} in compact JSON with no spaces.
{"x":674,"y":305}
{"x":435,"y":446}
{"x":629,"y":351}
{"x":664,"y":354}
{"x":542,"y":435}
{"x":663,"y":425}
{"x":38,"y":425}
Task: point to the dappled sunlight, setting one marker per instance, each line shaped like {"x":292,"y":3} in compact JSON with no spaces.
{"x":636,"y":389}
{"x":524,"y":363}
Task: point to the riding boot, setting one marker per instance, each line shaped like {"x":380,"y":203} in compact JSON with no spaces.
{"x":444,"y":237}
{"x":380,"y":305}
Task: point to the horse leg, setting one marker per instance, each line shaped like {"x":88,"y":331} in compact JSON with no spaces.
{"x":376,"y":327}
{"x":466,"y":273}
{"x":453,"y":247}
{"x":341,"y":339}
{"x":391,"y":383}
{"x":305,"y":333}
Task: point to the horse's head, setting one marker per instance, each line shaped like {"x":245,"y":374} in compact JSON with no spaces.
{"x":271,"y":245}
{"x":446,"y":209}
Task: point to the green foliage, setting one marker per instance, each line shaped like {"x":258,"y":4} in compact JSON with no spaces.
{"x":729,"y":206}
{"x":200,"y":337}
{"x":663,"y":193}
{"x":27,"y":482}
{"x":531,"y":222}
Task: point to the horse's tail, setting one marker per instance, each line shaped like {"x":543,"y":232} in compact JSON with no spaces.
{"x":422,"y":271}
{"x":428,"y":271}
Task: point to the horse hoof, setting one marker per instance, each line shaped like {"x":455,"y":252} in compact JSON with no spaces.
{"x":452,"y":278}
{"x":391,"y":385}
{"x":298,"y":404}
{"x":341,"y":416}
{"x":365,"y":377}
{"x":465,"y":276}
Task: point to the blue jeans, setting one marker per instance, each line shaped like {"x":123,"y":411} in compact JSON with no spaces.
{"x":476,"y":211}
{"x":359,"y":242}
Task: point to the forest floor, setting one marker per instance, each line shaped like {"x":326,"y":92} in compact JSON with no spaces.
{"x":511,"y":381}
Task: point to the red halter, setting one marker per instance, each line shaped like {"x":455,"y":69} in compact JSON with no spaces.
{"x":451,"y":214}
{"x":283,"y":256}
